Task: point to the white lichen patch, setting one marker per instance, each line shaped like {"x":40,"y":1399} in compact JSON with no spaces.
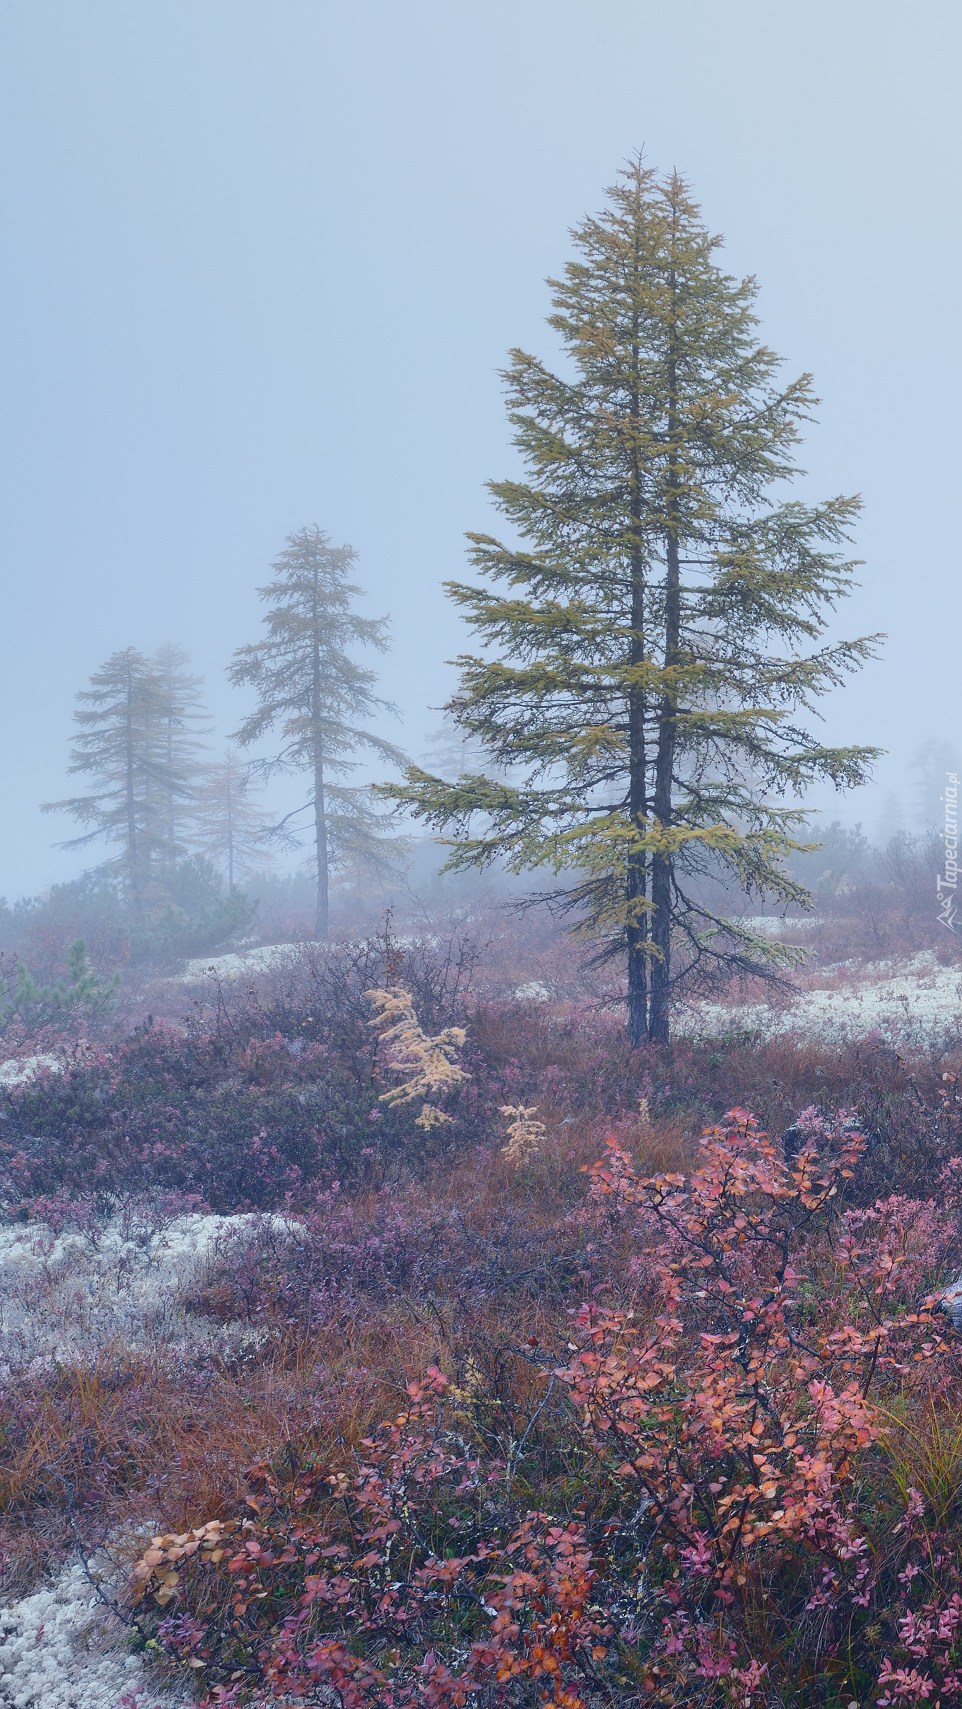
{"x":68,"y":1295}
{"x":61,"y":1648}
{"x":17,"y":1070}
{"x":916,"y":1003}
{"x":265,"y":959}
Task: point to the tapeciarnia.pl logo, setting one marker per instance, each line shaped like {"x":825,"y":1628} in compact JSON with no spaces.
{"x":947,"y":882}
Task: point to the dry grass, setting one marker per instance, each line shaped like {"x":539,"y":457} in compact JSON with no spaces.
{"x":110,"y":1442}
{"x":116,"y":1443}
{"x":923,"y":1443}
{"x":112,"y":1445}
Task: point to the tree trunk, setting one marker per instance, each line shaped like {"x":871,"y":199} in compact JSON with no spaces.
{"x":663,"y":862}
{"x":320,"y":810}
{"x":320,"y":835}
{"x":637,"y":957}
{"x":637,"y":924}
{"x":171,"y":825}
{"x":133,"y":852}
{"x":662,"y":866}
{"x":229,"y":775}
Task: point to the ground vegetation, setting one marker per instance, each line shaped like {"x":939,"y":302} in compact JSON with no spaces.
{"x":600,"y":1390}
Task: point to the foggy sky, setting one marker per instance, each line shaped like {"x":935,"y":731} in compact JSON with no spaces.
{"x":263,"y":259}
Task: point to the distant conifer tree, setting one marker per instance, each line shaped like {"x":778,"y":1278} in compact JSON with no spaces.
{"x":121,"y":745}
{"x":228,"y":825}
{"x":646,"y":638}
{"x":891,"y":819}
{"x":312,"y":690}
{"x":182,"y":727}
{"x":932,"y":763}
{"x":137,"y":740}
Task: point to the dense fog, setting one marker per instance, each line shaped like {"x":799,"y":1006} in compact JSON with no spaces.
{"x":264,"y":267}
{"x":480,"y":959}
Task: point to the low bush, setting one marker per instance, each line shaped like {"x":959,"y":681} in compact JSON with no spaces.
{"x":189,"y":913}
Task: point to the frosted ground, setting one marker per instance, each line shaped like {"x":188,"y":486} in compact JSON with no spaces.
{"x":61,"y":1648}
{"x":914,"y":1003}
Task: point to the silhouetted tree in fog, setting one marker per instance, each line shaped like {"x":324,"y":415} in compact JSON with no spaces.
{"x":227,"y":825}
{"x":137,"y":741}
{"x":183,"y":724}
{"x":121,"y":745}
{"x":312,"y":690}
{"x":932,"y":762}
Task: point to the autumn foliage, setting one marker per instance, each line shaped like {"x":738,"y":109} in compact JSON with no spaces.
{"x":709,"y":1496}
{"x":550,"y":1401}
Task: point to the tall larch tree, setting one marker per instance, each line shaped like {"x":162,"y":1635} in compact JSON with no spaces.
{"x":654,"y":630}
{"x":313,"y":691}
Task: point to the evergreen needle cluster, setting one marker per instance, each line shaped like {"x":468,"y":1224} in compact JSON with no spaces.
{"x":82,"y":989}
